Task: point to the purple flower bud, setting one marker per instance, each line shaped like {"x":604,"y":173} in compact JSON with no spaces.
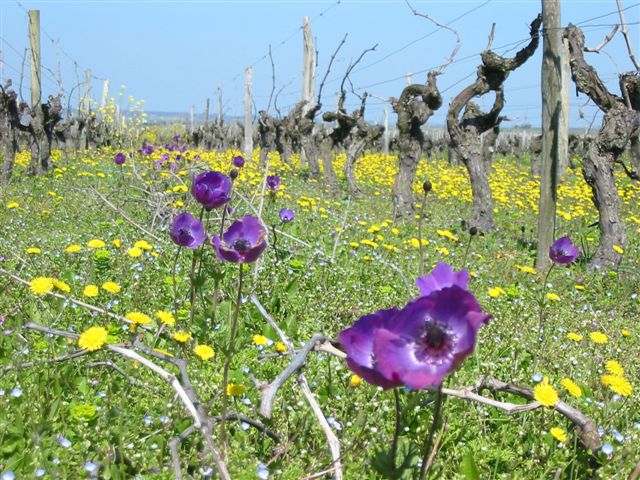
{"x":120,"y":158}
{"x":187,"y":231}
{"x":273,"y":182}
{"x":211,"y":189}
{"x":563,"y":251}
{"x":238,"y":161}
{"x":243,"y":242}
{"x":286,"y":215}
{"x":176,"y":139}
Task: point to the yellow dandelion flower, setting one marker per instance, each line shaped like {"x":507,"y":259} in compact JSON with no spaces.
{"x":91,"y":291}
{"x":355,"y":380}
{"x":60,"y":285}
{"x":552,"y":297}
{"x":165,"y":317}
{"x":180,"y":188}
{"x":182,"y":337}
{"x":33,"y":250}
{"x":73,"y":248}
{"x":598,"y":337}
{"x":617,"y":384}
{"x":614,"y":368}
{"x":205,"y":352}
{"x":41,"y":285}
{"x":625,"y":332}
{"x":11,"y":205}
{"x":260,"y":340}
{"x":93,"y":338}
{"x":526,"y":269}
{"x":354,"y":244}
{"x":618,"y":249}
{"x":95,"y":243}
{"x":116,"y":243}
{"x":576,"y":337}
{"x":138,"y":318}
{"x":571,"y":387}
{"x":579,"y":287}
{"x":235,"y":390}
{"x":559,"y":434}
{"x":415,"y":243}
{"x":281,"y":347}
{"x":545,"y":393}
{"x":143,"y":245}
{"x":447,"y":234}
{"x":111,"y":287}
{"x":134,"y":252}
{"x":495,"y":292}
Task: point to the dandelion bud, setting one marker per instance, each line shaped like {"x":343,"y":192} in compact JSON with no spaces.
{"x":473,"y":231}
{"x":233,"y":174}
{"x":426,"y":186}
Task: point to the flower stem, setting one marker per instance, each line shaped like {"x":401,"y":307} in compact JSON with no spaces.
{"x":432,"y":431}
{"x":396,"y":433}
{"x":466,"y":252}
{"x":175,"y":284}
{"x":420,"y":247}
{"x":227,"y":363}
{"x":192,"y":277}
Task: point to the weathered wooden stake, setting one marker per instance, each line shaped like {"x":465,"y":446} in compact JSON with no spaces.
{"x":219,"y":117}
{"x":206,"y":113}
{"x":563,"y":132}
{"x":85,"y":102}
{"x":552,"y":113}
{"x":192,"y":121}
{"x":248,"y":120}
{"x":387,"y":134}
{"x":34,"y":39}
{"x":309,"y":65}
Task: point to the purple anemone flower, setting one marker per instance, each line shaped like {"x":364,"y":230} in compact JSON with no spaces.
{"x":563,"y":251}
{"x":211,"y":189}
{"x":187,"y":231}
{"x":243,"y":242}
{"x":120,"y":158}
{"x":442,"y":276}
{"x":238,"y":161}
{"x":286,"y":215}
{"x":419,"y":345}
{"x":273,"y":182}
{"x":176,"y":139}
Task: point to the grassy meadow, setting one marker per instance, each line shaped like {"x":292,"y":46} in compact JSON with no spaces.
{"x":99,"y":233}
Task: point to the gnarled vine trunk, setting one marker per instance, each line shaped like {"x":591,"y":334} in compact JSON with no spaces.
{"x":620,"y":124}
{"x":416,"y":105}
{"x":465,"y":133}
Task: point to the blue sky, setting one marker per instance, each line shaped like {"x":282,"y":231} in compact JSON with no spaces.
{"x":174,"y":54}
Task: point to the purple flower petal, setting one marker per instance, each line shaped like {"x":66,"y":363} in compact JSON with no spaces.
{"x":442,"y":276}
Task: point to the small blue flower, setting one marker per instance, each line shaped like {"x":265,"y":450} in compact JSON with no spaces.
{"x":8,"y":475}
{"x":245,"y":426}
{"x":40,"y":472}
{"x":65,"y":442}
{"x":263,"y":471}
{"x":607,"y":449}
{"x":16,"y":392}
{"x":537,"y":377}
{"x":617,"y":435}
{"x":90,"y":467}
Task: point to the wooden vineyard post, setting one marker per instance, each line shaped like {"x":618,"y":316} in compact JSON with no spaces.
{"x":248,"y":120}
{"x":205,"y":120}
{"x":37,"y":122}
{"x":219,"y":117}
{"x":309,"y":64}
{"x":552,"y":107}
{"x":192,"y":119}
{"x":386,"y":135}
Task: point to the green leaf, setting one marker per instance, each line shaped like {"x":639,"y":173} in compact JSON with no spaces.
{"x":468,"y":467}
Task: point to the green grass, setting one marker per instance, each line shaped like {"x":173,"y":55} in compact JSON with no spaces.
{"x":307,"y":289}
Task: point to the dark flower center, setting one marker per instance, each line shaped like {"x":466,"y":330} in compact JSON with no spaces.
{"x":185,"y":234}
{"x":241,"y":245}
{"x":435,"y":342}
